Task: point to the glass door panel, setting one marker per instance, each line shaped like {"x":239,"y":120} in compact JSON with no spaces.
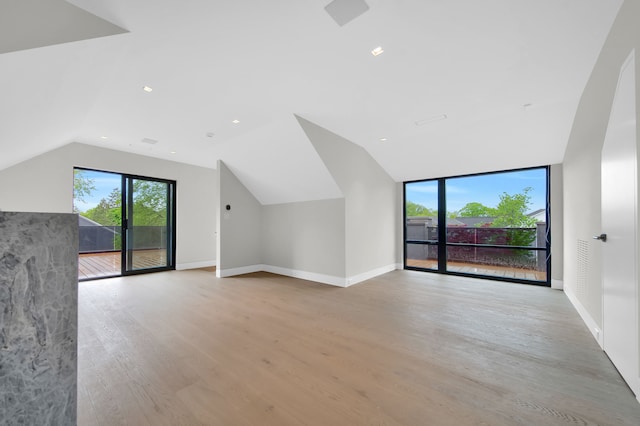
{"x":423,"y":256}
{"x":421,"y":224}
{"x":97,"y":201}
{"x":491,"y":230}
{"x":507,"y":263}
{"x":148,"y":224}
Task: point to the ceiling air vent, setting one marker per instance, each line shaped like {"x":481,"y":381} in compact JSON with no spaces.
{"x":149,"y":141}
{"x":345,"y":11}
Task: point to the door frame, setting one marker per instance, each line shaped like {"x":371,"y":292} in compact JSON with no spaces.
{"x":171,"y":225}
{"x":126,"y":191}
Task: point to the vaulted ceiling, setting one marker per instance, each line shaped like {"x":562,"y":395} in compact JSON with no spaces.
{"x":462,"y":86}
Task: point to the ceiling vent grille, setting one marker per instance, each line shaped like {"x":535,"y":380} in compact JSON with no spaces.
{"x":345,"y":11}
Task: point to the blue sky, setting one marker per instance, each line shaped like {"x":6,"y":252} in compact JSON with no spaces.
{"x":485,"y":189}
{"x":104,"y":184}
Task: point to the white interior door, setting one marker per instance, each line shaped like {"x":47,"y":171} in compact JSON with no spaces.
{"x":619,"y":220}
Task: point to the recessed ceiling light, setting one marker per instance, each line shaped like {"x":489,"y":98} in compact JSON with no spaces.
{"x":377,"y":51}
{"x":104,"y":137}
{"x":235,"y":121}
{"x":383,"y":139}
{"x":147,"y":89}
{"x":173,"y":152}
{"x":431,"y":119}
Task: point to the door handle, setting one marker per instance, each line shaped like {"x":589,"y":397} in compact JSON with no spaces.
{"x":601,"y":237}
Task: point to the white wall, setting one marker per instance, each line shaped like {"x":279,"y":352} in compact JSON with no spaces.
{"x":306,"y":237}
{"x":239,"y":229}
{"x":581,"y":167}
{"x":371,"y":218}
{"x":45,"y":184}
{"x":557,"y":226}
{"x":400,"y":225}
{"x":336,"y":241}
{"x":370,"y":203}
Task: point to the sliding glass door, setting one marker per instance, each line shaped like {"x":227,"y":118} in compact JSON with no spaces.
{"x":493,"y":225}
{"x":127,"y":223}
{"x":147,"y":225}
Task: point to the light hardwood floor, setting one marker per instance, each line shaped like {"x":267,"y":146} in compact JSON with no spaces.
{"x":406,"y":348}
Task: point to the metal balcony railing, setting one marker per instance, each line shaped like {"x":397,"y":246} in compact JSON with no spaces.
{"x":94,"y":239}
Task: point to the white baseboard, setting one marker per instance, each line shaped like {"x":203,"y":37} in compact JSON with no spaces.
{"x":222,"y":273}
{"x":195,"y":265}
{"x":304,"y":275}
{"x":370,"y":274}
{"x":588,"y":320}
{"x":557,"y":284}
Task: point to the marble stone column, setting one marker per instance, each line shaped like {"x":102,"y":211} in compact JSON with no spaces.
{"x":38,"y":318}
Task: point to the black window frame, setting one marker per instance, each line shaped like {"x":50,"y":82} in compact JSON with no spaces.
{"x":172,"y":192}
{"x":443,"y":245}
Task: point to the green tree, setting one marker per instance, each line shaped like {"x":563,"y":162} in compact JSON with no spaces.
{"x":475,"y":209}
{"x":150,"y":203}
{"x":414,"y":209}
{"x":83,"y":186}
{"x":108,"y":211}
{"x":511,"y":212}
{"x":149,"y":206}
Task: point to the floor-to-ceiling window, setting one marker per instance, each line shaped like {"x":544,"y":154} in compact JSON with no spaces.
{"x":127,"y":223}
{"x":494,"y":225}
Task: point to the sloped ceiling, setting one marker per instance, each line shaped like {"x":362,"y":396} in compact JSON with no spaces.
{"x":27,"y":24}
{"x":507,"y":74}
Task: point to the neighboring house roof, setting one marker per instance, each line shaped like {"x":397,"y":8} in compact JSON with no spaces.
{"x":540,"y":215}
{"x":475,"y":221}
{"x":455,"y":222}
{"x":429,"y":220}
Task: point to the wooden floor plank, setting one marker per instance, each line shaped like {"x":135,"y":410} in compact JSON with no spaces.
{"x":405,"y":348}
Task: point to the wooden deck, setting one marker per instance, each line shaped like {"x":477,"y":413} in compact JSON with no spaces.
{"x":100,"y":265}
{"x":489,"y":270}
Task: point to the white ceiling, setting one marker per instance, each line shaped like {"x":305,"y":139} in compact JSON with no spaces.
{"x":261,"y":62}
{"x":28,"y":24}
